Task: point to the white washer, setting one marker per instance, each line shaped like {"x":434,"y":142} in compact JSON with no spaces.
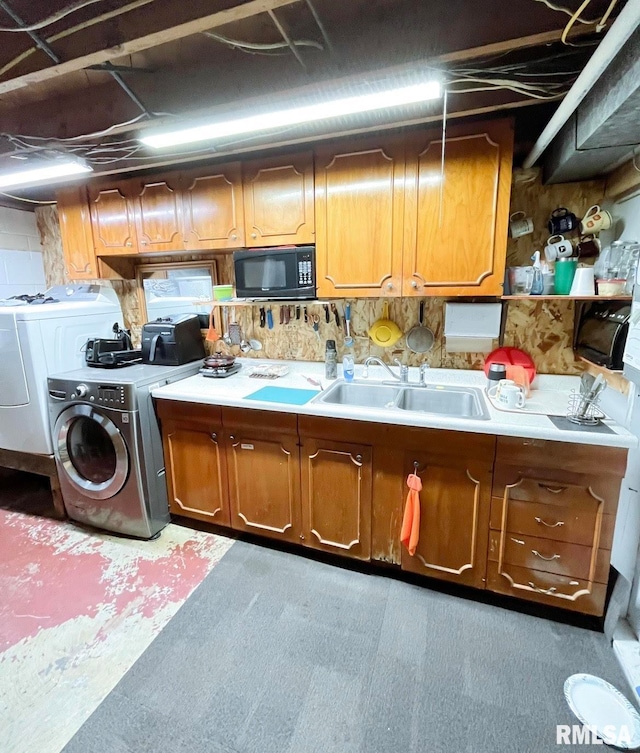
{"x":40,"y":339}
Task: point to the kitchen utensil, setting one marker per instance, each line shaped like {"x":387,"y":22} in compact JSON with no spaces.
{"x":212,"y":334}
{"x":520,"y":224}
{"x":348,"y":340}
{"x":586,"y":383}
{"x":218,"y":360}
{"x":511,"y":356}
{"x":245,"y":346}
{"x":298,"y":311}
{"x":226,"y":338}
{"x":557,"y":247}
{"x":314,"y":382}
{"x":583,"y":282}
{"x":327,"y":315}
{"x":255,"y":344}
{"x":583,"y":408}
{"x":562,"y":221}
{"x":420,"y":339}
{"x":263,"y":317}
{"x":235,"y":332}
{"x":315,"y":320}
{"x":336,"y":315}
{"x":384,"y":332}
{"x":565,"y":272}
{"x":269,"y":318}
{"x":268,"y":371}
{"x":282,"y":314}
{"x":596,"y":220}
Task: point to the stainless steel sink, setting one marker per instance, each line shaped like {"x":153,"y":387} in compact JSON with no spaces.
{"x":361,"y":395}
{"x":459,"y":402}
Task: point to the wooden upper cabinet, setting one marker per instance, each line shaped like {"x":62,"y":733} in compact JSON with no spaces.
{"x":212,"y":208}
{"x":75,"y":228}
{"x":359,"y":214}
{"x":456,"y":222}
{"x":278,"y":201}
{"x":112,"y":219}
{"x":158,"y":215}
{"x":336,"y":497}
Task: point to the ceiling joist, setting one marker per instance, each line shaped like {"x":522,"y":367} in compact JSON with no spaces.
{"x":137,"y":38}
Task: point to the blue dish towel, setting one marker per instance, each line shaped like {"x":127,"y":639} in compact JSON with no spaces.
{"x":287,"y":395}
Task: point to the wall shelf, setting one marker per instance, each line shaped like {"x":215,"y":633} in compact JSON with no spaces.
{"x":262,"y":302}
{"x":566,"y":298}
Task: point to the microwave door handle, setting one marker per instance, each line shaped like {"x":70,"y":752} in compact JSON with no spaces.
{"x":152,"y":348}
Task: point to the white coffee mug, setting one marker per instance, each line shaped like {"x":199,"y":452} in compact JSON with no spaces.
{"x":520,"y":224}
{"x":558,"y":248}
{"x":510,"y":395}
{"x":596,"y":220}
{"x":493,"y":390}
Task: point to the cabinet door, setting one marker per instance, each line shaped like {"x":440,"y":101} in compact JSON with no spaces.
{"x":359,"y":215}
{"x":112,"y":220}
{"x":336,"y":497}
{"x":278,"y":201}
{"x":213,"y":211}
{"x":455,"y":504}
{"x":264,"y":484}
{"x":456,"y":221}
{"x":158,"y":215}
{"x":75,"y":228}
{"x":196,"y":472}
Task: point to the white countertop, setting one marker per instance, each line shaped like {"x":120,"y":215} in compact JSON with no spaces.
{"x":550,"y":396}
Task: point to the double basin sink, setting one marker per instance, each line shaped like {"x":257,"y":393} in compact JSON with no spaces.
{"x":456,"y":402}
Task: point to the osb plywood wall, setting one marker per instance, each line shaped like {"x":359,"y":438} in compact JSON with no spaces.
{"x":543,"y":328}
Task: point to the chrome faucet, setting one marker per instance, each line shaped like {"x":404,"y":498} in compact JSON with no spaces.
{"x":424,"y":367}
{"x":403,"y":377}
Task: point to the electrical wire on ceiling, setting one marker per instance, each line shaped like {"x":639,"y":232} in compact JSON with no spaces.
{"x":53,"y":18}
{"x":260,"y":48}
{"x":74,"y":30}
{"x":29,"y":201}
{"x":576,"y":17}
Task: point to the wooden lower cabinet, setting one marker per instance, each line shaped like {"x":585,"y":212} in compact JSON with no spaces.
{"x":455,"y":504}
{"x":526,"y":518}
{"x":195,"y":462}
{"x":336,"y":497}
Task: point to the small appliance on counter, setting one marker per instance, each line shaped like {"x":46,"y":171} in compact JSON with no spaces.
{"x":219,"y":366}
{"x":602,"y":333}
{"x":276,"y":273}
{"x":112,"y":353}
{"x":172,"y":341}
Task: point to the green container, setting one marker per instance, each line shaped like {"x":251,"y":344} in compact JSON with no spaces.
{"x":565,"y":272}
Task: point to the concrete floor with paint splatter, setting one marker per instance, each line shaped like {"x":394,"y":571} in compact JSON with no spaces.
{"x":77,"y":608}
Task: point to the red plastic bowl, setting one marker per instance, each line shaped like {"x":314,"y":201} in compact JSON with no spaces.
{"x":511,"y":357}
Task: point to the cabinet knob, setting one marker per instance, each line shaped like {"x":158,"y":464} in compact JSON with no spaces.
{"x":359,"y":458}
{"x":389,"y":286}
{"x":144,"y":243}
{"x":232,"y":438}
{"x":254,"y":235}
{"x":414,"y":284}
{"x":128,"y":243}
{"x":234,"y":237}
{"x":301,"y":537}
{"x":214,"y":436}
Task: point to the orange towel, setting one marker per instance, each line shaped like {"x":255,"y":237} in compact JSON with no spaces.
{"x":411,"y":521}
{"x":212,"y":335}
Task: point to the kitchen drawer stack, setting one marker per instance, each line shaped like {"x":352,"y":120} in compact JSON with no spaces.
{"x":552,"y":521}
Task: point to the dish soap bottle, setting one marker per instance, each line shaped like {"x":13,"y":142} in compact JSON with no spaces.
{"x":348,"y":368}
{"x":331,"y":360}
{"x":537,"y":285}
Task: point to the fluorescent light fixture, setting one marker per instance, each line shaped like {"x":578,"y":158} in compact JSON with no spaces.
{"x":336,"y":108}
{"x":43,"y":172}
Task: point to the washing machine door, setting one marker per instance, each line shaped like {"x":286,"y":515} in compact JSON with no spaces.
{"x":92,"y":451}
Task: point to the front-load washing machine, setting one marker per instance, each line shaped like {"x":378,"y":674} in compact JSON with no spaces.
{"x":108,"y":448}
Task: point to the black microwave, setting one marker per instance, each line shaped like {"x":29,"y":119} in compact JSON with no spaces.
{"x":276,"y":273}
{"x":602,"y":333}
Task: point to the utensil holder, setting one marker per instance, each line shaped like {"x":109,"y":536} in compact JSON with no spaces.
{"x":583,"y":411}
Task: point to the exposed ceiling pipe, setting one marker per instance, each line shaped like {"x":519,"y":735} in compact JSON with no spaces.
{"x":620,"y":31}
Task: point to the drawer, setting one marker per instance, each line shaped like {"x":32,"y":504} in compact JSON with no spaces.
{"x":576,"y":525}
{"x":563,"y":456}
{"x":248,"y":419}
{"x":550,"y":556}
{"x":553,"y":590}
{"x":198,"y":414}
{"x":564,"y":489}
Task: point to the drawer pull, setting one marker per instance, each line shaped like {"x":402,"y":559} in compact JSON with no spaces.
{"x":553,"y":489}
{"x":546,"y":559}
{"x":549,"y":525}
{"x":549,"y":591}
{"x":214,"y":436}
{"x":517,"y":541}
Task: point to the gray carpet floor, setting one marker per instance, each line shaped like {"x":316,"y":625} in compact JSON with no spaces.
{"x":274,"y":653}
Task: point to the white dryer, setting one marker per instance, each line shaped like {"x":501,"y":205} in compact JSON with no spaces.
{"x":43,"y":337}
